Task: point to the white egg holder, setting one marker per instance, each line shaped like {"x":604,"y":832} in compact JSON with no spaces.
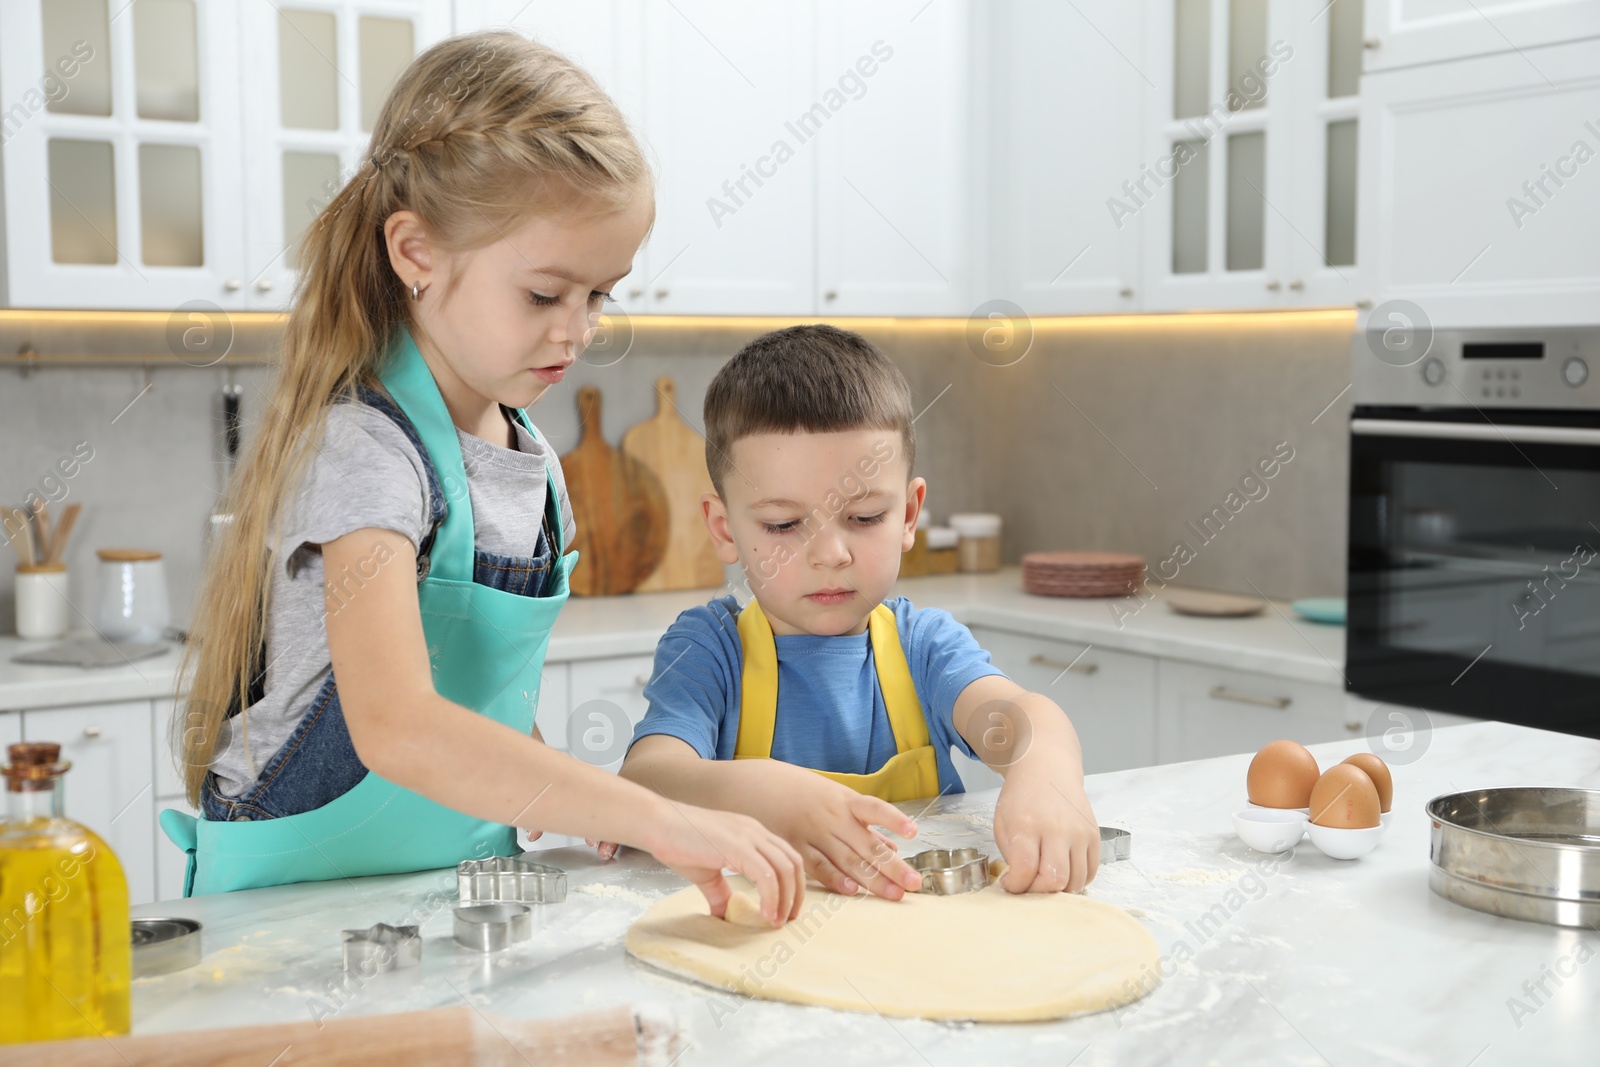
{"x":1280,"y":829}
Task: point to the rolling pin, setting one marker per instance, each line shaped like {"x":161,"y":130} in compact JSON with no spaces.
{"x":461,"y":1035}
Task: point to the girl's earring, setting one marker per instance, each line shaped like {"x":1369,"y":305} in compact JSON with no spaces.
{"x":416,"y":290}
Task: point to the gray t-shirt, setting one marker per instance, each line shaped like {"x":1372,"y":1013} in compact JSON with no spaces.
{"x":367,"y":473}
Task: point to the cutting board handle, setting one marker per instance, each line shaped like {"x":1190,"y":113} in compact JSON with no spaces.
{"x":589,"y":412}
{"x":667,"y":399}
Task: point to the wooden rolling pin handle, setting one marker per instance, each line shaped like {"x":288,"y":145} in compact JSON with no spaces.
{"x":669,"y":394}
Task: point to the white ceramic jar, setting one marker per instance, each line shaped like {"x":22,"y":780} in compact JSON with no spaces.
{"x":132,"y":600}
{"x":43,"y":610}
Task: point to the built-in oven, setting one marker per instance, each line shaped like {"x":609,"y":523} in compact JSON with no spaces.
{"x":1474,"y":538}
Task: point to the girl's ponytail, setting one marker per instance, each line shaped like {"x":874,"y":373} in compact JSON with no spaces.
{"x":479,"y":133}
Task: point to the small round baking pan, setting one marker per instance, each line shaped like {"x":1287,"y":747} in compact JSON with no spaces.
{"x":1530,"y":853}
{"x":161,"y":946}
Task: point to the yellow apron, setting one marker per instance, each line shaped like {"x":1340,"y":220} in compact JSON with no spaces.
{"x":911,"y":774}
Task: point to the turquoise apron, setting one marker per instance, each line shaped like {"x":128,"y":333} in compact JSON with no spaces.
{"x":487,"y":649}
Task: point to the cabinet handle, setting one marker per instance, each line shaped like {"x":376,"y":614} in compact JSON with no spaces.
{"x":91,"y":731}
{"x":1125,"y":292}
{"x":1055,"y":664}
{"x":1353,"y":725}
{"x":1274,"y":285}
{"x":661,"y":294}
{"x":1370,"y":43}
{"x":634,"y":294}
{"x":641,"y":680}
{"x":1364,"y":303}
{"x":1222,"y":692}
{"x":1297,"y":285}
{"x":233,"y":285}
{"x":831,"y":294}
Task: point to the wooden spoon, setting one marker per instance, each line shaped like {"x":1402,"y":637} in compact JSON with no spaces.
{"x":58,"y":543}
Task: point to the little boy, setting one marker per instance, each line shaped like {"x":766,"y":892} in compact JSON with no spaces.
{"x":820,"y":703}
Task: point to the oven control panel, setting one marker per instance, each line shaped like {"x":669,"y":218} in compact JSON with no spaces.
{"x":1394,"y":360}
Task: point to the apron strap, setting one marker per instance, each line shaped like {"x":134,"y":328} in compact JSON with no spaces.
{"x":758,"y":683}
{"x":409,"y":381}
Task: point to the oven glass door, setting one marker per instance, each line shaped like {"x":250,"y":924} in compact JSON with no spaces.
{"x":1474,"y":565}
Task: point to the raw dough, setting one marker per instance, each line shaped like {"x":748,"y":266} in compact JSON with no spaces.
{"x":989,"y":955}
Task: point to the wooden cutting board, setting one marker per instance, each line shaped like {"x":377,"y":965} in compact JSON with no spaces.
{"x":464,"y":1036}
{"x":619,"y":507}
{"x":676,"y":454}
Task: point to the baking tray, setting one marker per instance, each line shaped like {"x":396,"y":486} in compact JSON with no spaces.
{"x":1529,"y":853}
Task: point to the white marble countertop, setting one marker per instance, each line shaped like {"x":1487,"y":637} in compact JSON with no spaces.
{"x":1275,"y":642}
{"x":1305,"y":960}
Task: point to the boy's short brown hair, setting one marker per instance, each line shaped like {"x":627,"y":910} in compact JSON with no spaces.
{"x":805,"y":379}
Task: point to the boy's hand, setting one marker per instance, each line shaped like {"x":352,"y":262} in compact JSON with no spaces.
{"x":1047,"y":833}
{"x":698,"y":843}
{"x":832,"y":826}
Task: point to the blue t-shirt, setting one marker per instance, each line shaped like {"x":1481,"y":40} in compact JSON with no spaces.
{"x":831,"y":714}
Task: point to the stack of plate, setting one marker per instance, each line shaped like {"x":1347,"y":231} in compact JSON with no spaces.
{"x":1081,"y":573}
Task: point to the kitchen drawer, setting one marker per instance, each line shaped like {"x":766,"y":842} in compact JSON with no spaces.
{"x":1109,"y":695}
{"x":110,"y":786}
{"x":606,"y":701}
{"x":1210,"y":711}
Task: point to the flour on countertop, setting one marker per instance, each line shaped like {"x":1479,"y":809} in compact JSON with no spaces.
{"x":603,"y":889}
{"x":1199,"y":876}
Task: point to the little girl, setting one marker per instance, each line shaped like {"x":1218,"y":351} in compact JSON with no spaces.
{"x":371,"y":631}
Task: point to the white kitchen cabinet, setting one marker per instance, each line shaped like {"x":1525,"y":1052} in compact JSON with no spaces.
{"x":109,"y":788}
{"x":122,"y":154}
{"x":1404,"y":33}
{"x":607,"y":702}
{"x":1060,"y":244}
{"x":731,"y":117}
{"x":1110,"y":696}
{"x":1476,"y":236}
{"x":318,"y":72}
{"x":1242,"y":208}
{"x":1211,"y":711}
{"x":10,"y":728}
{"x":895,"y":200}
{"x":177,"y":164}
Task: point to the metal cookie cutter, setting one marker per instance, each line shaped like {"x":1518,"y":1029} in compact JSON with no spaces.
{"x":381,"y":948}
{"x":1115,"y":844}
{"x":492,"y":927}
{"x":946,"y":871}
{"x":161,"y":946}
{"x":510,"y":879}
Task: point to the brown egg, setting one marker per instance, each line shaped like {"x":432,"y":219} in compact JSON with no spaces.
{"x":1345,"y":798}
{"x":1281,"y":776}
{"x":1378,"y":771}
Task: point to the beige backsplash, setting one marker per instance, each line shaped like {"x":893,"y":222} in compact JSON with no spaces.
{"x":1117,"y":433}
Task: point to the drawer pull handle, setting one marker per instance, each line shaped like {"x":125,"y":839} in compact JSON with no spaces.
{"x":641,"y":680}
{"x":1055,"y":664}
{"x":91,"y":731}
{"x":1222,"y":692}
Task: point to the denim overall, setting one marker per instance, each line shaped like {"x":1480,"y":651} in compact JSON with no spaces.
{"x":316,"y":813}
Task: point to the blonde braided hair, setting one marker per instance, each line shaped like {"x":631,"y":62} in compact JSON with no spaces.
{"x":480,"y":133}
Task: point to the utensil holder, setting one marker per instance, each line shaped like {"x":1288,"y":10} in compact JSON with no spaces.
{"x":43,"y":610}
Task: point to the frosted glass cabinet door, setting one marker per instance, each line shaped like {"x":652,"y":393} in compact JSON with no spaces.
{"x":121,"y":152}
{"x":315,"y":76}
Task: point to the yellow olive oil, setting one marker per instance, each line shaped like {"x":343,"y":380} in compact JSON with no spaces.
{"x":66,"y":954}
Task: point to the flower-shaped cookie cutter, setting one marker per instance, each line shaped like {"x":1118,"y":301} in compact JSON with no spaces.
{"x":381,"y":948}
{"x":509,"y":880}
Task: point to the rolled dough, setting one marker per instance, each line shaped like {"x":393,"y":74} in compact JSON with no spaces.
{"x":989,"y":956}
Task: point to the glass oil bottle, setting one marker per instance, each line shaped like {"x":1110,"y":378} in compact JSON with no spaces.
{"x":65,"y":936}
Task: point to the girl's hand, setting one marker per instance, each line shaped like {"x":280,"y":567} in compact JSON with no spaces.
{"x":698,"y":843}
{"x":607,"y":849}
